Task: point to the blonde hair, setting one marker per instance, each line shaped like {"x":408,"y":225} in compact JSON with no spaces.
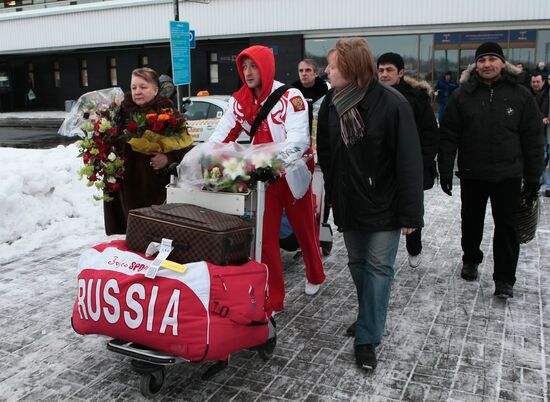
{"x":354,"y":60}
{"x":148,"y":74}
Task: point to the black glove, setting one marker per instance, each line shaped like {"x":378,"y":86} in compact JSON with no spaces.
{"x":531,"y":190}
{"x":446,"y":185}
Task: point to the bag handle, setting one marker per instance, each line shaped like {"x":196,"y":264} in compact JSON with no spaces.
{"x":266,"y":108}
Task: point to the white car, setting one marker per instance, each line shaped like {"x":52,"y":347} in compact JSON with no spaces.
{"x":203,"y":114}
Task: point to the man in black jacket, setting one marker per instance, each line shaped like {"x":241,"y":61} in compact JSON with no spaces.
{"x":370,"y":156}
{"x":391,"y":71}
{"x":310,"y":85}
{"x":494,"y":124}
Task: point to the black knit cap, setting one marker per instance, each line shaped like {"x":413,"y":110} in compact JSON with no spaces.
{"x":391,"y":58}
{"x":489,"y":49}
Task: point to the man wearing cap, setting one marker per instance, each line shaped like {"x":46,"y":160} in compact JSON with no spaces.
{"x":391,"y":71}
{"x":493,"y":123}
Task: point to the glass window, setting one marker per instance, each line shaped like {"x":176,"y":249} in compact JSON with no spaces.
{"x":467,"y":57}
{"x":425,"y":63}
{"x":524,"y":55}
{"x":543,"y":47}
{"x":405,"y":45}
{"x":445,"y":60}
{"x":214,"y":112}
{"x":143,"y":60}
{"x":197,"y":110}
{"x":4,"y":80}
{"x":56,"y":74}
{"x":213,"y":68}
{"x":83,"y":73}
{"x":317,"y":49}
{"x":30,"y":74}
{"x":112,"y":72}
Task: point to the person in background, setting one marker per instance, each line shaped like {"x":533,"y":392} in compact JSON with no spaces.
{"x":541,"y":68}
{"x":443,"y":90}
{"x":493,"y":123}
{"x":524,"y":77}
{"x":370,"y":156}
{"x":313,"y":88}
{"x":145,"y":176}
{"x":256,"y":67}
{"x":167,"y":87}
{"x":310,"y":85}
{"x":540,"y":89}
{"x":391,"y":71}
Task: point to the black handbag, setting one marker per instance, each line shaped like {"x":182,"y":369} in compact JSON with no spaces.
{"x":528,"y":218}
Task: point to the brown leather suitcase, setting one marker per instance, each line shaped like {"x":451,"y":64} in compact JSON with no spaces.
{"x":197,"y":233}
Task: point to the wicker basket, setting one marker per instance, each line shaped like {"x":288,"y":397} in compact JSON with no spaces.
{"x":528,"y":217}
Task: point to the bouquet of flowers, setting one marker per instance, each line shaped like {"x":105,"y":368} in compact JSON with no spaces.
{"x":94,"y":118}
{"x":157,"y":132}
{"x":229,"y":167}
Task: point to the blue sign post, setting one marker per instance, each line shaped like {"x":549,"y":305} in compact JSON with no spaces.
{"x":192,"y":43}
{"x":181,"y":54}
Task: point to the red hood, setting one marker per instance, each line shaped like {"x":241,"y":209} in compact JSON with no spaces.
{"x":263,"y":57}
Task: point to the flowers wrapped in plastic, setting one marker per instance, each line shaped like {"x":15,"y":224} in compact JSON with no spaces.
{"x":94,"y":118}
{"x":157,"y":132}
{"x":236,"y":168}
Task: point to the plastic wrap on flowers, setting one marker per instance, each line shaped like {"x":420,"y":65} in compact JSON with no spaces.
{"x":229,"y":167}
{"x":91,"y":107}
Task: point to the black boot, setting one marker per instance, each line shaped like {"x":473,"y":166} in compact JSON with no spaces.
{"x":469,"y":272}
{"x":504,"y":290}
{"x":365,"y":356}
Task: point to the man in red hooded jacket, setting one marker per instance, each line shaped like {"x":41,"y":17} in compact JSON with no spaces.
{"x":286,"y":123}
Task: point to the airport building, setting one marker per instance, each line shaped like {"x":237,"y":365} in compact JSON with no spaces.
{"x":62,"y":49}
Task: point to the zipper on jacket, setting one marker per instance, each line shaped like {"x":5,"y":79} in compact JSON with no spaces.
{"x":491,"y":92}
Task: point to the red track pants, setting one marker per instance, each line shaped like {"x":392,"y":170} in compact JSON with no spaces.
{"x":301,"y":215}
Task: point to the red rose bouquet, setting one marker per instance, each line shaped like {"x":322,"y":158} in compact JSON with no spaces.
{"x":157,"y":132}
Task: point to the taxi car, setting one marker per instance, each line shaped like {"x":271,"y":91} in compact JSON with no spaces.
{"x":203,"y":114}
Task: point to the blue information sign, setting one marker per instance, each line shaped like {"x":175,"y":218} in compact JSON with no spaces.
{"x":192,"y":43}
{"x":181,"y":54}
{"x":446,"y":38}
{"x":523,"y":36}
{"x":495,"y":36}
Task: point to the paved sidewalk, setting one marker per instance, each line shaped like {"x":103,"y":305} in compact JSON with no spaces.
{"x":446,"y":339}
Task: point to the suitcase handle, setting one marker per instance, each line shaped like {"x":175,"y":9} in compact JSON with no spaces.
{"x":179,"y":245}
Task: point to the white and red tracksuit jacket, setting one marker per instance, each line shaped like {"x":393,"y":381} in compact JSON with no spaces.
{"x":286,"y":123}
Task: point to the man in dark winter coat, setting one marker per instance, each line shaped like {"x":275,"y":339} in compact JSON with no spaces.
{"x":391,"y":71}
{"x":310,"y":85}
{"x":494,"y":124}
{"x":370,"y":156}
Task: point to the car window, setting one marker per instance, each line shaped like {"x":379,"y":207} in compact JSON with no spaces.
{"x":197,"y":110}
{"x":215,"y":112}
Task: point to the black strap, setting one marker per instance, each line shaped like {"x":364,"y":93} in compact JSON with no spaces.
{"x":266,"y":108}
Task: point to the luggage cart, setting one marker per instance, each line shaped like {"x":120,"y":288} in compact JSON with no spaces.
{"x":325,"y":231}
{"x":151,"y":364}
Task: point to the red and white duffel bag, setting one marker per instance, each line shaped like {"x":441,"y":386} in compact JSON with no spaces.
{"x":205,"y":312}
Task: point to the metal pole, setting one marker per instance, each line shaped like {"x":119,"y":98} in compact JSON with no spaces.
{"x":177,"y":18}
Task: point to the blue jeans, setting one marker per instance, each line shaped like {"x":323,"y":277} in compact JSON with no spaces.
{"x":371,"y":256}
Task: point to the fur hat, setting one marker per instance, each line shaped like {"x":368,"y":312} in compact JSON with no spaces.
{"x":490,"y":49}
{"x":391,"y":58}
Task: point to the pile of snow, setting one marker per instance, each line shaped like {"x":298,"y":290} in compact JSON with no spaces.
{"x":43,"y":203}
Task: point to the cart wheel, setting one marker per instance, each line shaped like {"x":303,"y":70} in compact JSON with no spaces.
{"x":152,"y":383}
{"x":326,"y":248}
{"x":266,"y":349}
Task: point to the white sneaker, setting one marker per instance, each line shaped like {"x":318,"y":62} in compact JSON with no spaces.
{"x":414,"y":260}
{"x":311,"y":289}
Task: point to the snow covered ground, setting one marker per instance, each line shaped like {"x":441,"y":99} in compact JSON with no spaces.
{"x":42,"y":202}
